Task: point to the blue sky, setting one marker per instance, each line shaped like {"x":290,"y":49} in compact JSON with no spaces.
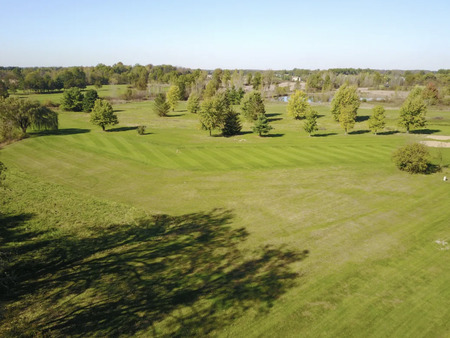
{"x":227,"y":34}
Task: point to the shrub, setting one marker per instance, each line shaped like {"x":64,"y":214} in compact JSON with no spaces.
{"x":141,"y":130}
{"x":413,"y":158}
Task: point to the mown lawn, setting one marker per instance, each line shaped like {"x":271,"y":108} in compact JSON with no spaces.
{"x":175,"y":233}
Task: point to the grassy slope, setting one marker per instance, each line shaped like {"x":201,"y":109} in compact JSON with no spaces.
{"x":373,"y":268}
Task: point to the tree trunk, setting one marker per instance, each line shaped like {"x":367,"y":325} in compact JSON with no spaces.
{"x":103,"y":127}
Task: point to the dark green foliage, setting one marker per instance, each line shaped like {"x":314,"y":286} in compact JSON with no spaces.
{"x":257,"y":81}
{"x":73,"y":77}
{"x":72,"y":99}
{"x":141,"y":130}
{"x":89,"y":100}
{"x":253,"y":106}
{"x":3,"y":89}
{"x":234,"y":95}
{"x":413,"y":158}
{"x":413,"y":110}
{"x":161,"y":106}
{"x":345,"y":96}
{"x":377,"y":120}
{"x":262,"y":125}
{"x":232,"y":124}
{"x":213,"y":111}
{"x":2,"y":174}
{"x":103,"y":114}
{"x":193,"y":103}
{"x":22,"y":114}
{"x":310,"y":124}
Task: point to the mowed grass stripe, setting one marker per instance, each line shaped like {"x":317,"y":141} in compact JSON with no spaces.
{"x":247,"y":153}
{"x":249,"y":162}
{"x":308,"y":153}
{"x":171,"y":162}
{"x":294,"y":158}
{"x":272,"y":158}
{"x":227,"y":158}
{"x":204,"y":154}
{"x":202,"y":163}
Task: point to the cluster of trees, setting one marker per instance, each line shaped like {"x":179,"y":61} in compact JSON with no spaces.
{"x":74,"y":100}
{"x":18,"y":115}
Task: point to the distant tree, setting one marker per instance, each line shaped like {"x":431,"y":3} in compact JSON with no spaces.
{"x":413,"y":110}
{"x":103,"y":114}
{"x":345,"y":96}
{"x":193,"y":103}
{"x":226,"y":77}
{"x":257,"y":81}
{"x":23,"y":114}
{"x":430,"y":94}
{"x":310,"y":124}
{"x":232,"y":124}
{"x":73,"y":77}
{"x":298,"y":106}
{"x":413,"y":158}
{"x":210,"y":90}
{"x":347,"y":118}
{"x":89,"y":100}
{"x":3,"y":89}
{"x":72,"y":99}
{"x":249,"y":78}
{"x":262,"y":125}
{"x":377,"y":120}
{"x":160,"y":105}
{"x":234,"y":95}
{"x":173,"y":96}
{"x":253,"y":105}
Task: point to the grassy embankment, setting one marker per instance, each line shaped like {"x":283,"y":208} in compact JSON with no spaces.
{"x":175,"y":233}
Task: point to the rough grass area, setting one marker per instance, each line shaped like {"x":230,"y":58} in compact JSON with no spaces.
{"x":174,"y":233}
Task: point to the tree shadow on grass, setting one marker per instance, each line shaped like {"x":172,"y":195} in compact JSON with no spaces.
{"x":167,"y":275}
{"x":425,"y":131}
{"x":324,"y":134}
{"x":359,"y":132}
{"x":362,"y":118}
{"x":174,"y":115}
{"x":274,"y":119}
{"x":65,"y":131}
{"x":273,"y":135}
{"x":121,"y":129}
{"x":390,"y":132}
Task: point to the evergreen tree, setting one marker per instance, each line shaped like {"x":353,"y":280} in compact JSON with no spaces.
{"x":377,"y":120}
{"x":413,"y":110}
{"x":160,"y":105}
{"x":193,"y":103}
{"x":72,"y":99}
{"x":89,"y":100}
{"x":173,"y":96}
{"x":103,"y":114}
{"x":253,"y":105}
{"x":232,"y":124}
{"x":310,"y":124}
{"x":262,"y":125}
{"x":298,"y":106}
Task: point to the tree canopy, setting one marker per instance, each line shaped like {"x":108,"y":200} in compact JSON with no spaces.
{"x":253,"y":105}
{"x":193,"y":103}
{"x":345,"y":96}
{"x":103,"y":114}
{"x":160,"y":105}
{"x":72,"y":99}
{"x":298,"y":106}
{"x":23,"y":114}
{"x":261,"y":125}
{"x":89,"y":100}
{"x":173,"y":96}
{"x":310,"y":124}
{"x":377,"y":120}
{"x":413,"y":110}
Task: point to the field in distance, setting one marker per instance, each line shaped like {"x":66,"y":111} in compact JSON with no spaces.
{"x":176,"y":233}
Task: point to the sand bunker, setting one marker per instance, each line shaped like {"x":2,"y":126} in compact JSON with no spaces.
{"x":436,"y":144}
{"x":439,"y":137}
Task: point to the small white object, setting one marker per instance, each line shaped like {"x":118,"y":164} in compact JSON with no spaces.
{"x":445,"y":178}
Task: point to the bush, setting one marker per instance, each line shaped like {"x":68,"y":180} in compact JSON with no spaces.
{"x":141,"y":130}
{"x":50,"y":104}
{"x":413,"y":158}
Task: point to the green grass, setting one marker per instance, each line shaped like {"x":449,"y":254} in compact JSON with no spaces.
{"x":92,"y":257}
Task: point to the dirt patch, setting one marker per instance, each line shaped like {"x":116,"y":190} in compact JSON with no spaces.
{"x":436,"y":144}
{"x":439,"y":137}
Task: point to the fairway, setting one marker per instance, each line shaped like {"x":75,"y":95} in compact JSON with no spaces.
{"x":175,"y":233}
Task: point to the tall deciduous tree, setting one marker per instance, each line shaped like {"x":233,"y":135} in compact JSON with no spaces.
{"x":377,"y":120}
{"x":173,"y":96}
{"x":253,"y":105}
{"x":298,"y":106}
{"x":262,"y":125}
{"x":72,"y":99}
{"x":310,"y":124}
{"x":103,"y":114}
{"x":345,"y":96}
{"x":160,"y":105}
{"x":347,"y":118}
{"x":193,"y":103}
{"x":213,"y":112}
{"x":413,"y":110}
{"x":23,"y":114}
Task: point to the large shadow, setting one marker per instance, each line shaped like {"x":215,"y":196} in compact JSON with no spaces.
{"x":273,"y":135}
{"x":362,"y":118}
{"x":324,"y":134}
{"x":359,"y":132}
{"x":119,"y":129}
{"x":425,"y":131}
{"x":171,"y":276}
{"x":65,"y":131}
{"x":389,"y":132}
